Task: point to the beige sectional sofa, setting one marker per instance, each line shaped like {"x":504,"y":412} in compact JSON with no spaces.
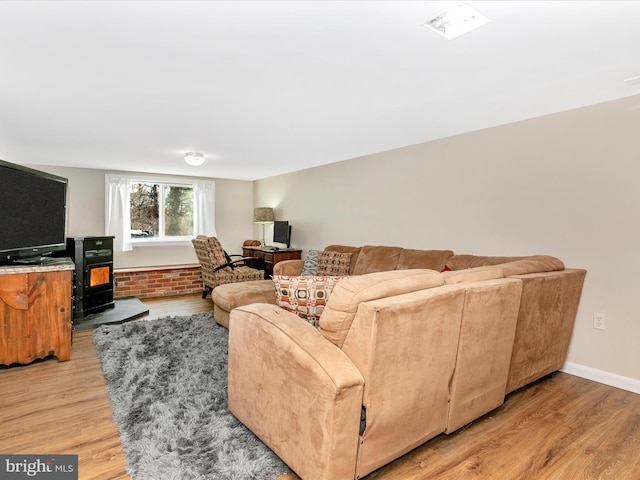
{"x":404,"y":351}
{"x":367,"y":259}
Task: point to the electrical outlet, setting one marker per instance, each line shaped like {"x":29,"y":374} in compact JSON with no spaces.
{"x":599,"y":321}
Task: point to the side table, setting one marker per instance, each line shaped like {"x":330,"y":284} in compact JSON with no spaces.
{"x":35,"y":312}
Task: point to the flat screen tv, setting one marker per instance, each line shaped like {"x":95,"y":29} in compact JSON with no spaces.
{"x":33,"y":213}
{"x":282,"y":232}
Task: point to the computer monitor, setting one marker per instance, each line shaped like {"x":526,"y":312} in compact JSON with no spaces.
{"x":282,"y":232}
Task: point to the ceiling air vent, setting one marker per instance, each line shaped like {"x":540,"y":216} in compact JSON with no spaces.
{"x":457,"y":21}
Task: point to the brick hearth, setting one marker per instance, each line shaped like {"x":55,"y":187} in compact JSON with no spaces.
{"x":157,"y":281}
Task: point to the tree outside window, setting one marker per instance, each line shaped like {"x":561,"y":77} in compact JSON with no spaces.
{"x":161,"y":210}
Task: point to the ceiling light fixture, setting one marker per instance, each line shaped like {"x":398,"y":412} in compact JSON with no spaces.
{"x":458,"y":20}
{"x":194,"y":158}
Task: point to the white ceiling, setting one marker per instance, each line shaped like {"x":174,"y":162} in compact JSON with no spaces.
{"x":264,"y":87}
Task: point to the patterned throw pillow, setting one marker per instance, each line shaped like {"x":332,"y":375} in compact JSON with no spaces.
{"x":310,"y":266}
{"x":333,"y":263}
{"x":305,"y":296}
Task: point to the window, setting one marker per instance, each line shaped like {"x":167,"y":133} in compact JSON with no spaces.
{"x":161,"y":210}
{"x":144,"y":211}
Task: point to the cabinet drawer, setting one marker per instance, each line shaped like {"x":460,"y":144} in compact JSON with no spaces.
{"x":268,"y":257}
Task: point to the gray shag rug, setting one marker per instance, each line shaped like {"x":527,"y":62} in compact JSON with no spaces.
{"x":167,"y":381}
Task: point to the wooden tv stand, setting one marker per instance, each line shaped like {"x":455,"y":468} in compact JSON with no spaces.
{"x":271,"y":257}
{"x":35,"y":312}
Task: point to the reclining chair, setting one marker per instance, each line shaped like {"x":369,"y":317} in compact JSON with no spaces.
{"x":218,"y":267}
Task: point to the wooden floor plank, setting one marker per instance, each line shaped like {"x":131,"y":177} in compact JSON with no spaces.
{"x":560,"y":428}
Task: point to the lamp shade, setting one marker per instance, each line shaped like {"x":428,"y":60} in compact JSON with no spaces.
{"x":263,"y":215}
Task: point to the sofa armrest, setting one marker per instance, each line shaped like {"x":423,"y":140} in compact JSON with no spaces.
{"x":298,"y":392}
{"x":288,"y":267}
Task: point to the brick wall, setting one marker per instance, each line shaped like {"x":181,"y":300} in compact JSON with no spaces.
{"x":157,"y":281}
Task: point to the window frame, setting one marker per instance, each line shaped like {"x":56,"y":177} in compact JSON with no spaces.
{"x":160,"y":241}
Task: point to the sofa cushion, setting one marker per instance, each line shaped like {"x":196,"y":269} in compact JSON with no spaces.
{"x":333,"y":264}
{"x":477,"y":274}
{"x":310,"y":266}
{"x":510,"y":265}
{"x":532,"y":264}
{"x":232,"y":295}
{"x":460,"y":262}
{"x":376,"y":259}
{"x":341,"y":308}
{"x":306,"y":296}
{"x":432,"y":259}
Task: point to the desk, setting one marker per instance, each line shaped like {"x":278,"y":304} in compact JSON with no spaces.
{"x":271,"y":257}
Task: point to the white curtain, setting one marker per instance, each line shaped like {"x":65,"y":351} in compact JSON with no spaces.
{"x":118,"y":220}
{"x":204,"y":206}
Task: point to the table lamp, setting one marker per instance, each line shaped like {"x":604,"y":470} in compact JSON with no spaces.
{"x":263,"y":215}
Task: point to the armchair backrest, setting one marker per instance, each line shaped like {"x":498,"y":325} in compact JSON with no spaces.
{"x":201,"y":246}
{"x":210,"y":254}
{"x":216,"y":251}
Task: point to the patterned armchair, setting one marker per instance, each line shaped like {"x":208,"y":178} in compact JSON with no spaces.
{"x":217,"y":266}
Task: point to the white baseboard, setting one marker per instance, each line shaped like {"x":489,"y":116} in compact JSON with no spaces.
{"x":611,"y":379}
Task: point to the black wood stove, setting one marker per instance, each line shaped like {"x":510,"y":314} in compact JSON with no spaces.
{"x":93,"y":276}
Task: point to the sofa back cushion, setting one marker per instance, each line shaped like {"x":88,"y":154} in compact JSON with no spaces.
{"x":376,"y":259}
{"x":509,"y":265}
{"x":532,"y":264}
{"x":476,"y":274}
{"x":431,"y":259}
{"x":338,"y":314}
{"x":461,"y":262}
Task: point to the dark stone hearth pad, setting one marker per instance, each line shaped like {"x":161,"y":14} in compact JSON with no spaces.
{"x":125,"y":309}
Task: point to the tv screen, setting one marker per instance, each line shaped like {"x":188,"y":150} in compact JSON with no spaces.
{"x":282,"y":232}
{"x":33,"y":213}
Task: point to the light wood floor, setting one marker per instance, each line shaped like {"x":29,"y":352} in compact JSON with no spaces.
{"x":561,"y":428}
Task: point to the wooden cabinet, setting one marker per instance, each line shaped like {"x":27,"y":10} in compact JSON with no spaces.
{"x":271,"y":257}
{"x":35,"y":312}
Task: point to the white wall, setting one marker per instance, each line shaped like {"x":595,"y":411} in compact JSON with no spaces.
{"x":564,"y":185}
{"x":86,"y":214}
